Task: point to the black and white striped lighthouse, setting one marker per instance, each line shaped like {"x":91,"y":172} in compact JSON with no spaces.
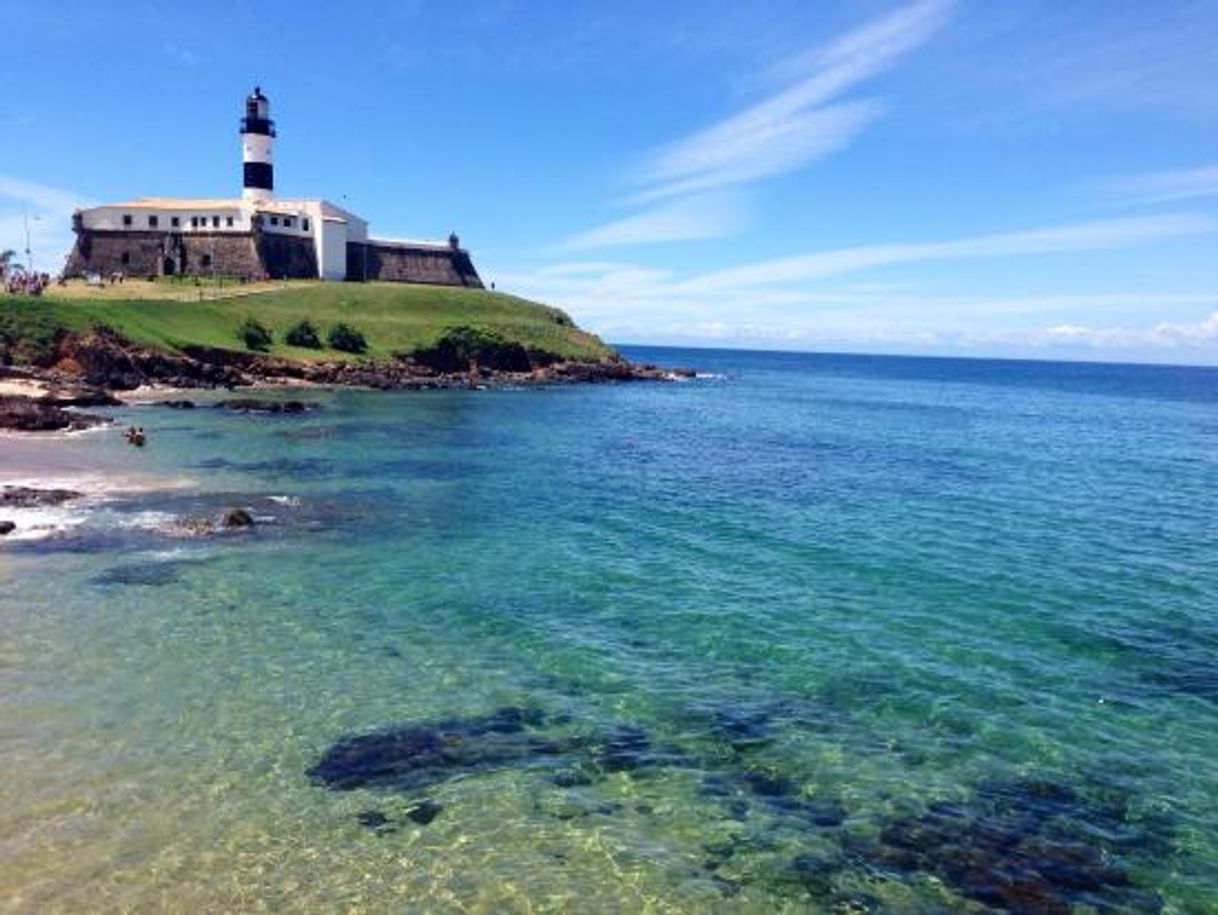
{"x":257,"y":136}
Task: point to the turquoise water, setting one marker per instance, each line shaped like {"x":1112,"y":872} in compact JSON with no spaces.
{"x":818,"y":633}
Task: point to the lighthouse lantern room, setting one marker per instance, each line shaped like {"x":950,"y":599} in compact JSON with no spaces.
{"x":257,"y":137}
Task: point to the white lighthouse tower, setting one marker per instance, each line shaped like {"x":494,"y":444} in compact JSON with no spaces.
{"x":257,"y":137}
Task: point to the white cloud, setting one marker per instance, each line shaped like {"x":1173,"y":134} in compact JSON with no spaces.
{"x":46,"y":211}
{"x":796,"y":126}
{"x":183,"y":56}
{"x":809,"y":302}
{"x":1167,"y":186}
{"x":1164,"y":335}
{"x":785,"y":132}
{"x":1089,"y":236}
{"x":699,"y":217}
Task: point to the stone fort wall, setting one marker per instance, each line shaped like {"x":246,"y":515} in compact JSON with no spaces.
{"x":393,"y":262}
{"x":260,"y":255}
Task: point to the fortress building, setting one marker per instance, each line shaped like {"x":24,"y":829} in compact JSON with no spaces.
{"x":255,"y":236}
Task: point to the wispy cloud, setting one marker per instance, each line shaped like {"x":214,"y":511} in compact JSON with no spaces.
{"x":798,"y":125}
{"x":1166,"y":186}
{"x":1167,"y":334}
{"x":825,"y":299}
{"x":184,"y":56}
{"x":698,"y":217}
{"x":45,"y":211}
{"x":1088,"y":236}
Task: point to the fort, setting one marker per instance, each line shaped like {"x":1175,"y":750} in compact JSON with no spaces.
{"x":256,"y":236}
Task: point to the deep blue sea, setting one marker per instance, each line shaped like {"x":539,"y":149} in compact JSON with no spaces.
{"x":806,"y":633}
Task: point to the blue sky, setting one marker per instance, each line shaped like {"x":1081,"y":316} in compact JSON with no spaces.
{"x":1031,"y":178}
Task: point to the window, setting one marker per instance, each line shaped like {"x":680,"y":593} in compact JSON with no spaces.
{"x":287,"y":222}
{"x":126,"y":258}
{"x":194,"y":222}
{"x":215,"y":222}
{"x":152,"y":222}
{"x":229,"y":222}
{"x":274,"y":220}
{"x":174,"y":222}
{"x":126,"y":219}
{"x":304,"y":224}
{"x":206,"y":262}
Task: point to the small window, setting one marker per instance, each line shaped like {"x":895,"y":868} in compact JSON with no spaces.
{"x":274,"y":220}
{"x":126,"y":219}
{"x":304,"y":225}
{"x":174,"y":222}
{"x":206,"y":261}
{"x":194,"y":222}
{"x":215,"y":222}
{"x":152,"y":222}
{"x":126,"y":258}
{"x":287,"y":222}
{"x":229,"y":222}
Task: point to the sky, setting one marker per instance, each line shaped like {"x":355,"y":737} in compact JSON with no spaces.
{"x":949,"y":177}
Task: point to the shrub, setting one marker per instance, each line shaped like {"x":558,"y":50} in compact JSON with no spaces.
{"x":346,"y":338}
{"x":256,"y":336}
{"x":458,"y":346}
{"x":303,"y":334}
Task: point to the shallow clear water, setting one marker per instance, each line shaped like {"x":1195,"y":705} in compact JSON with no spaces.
{"x":819,"y":633}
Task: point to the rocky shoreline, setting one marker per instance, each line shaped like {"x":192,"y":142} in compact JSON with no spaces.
{"x":88,"y":370}
{"x":103,"y":360}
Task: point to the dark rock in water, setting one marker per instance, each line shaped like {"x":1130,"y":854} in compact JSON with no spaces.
{"x":253,"y":405}
{"x":571,"y":778}
{"x":176,"y":404}
{"x":741,"y":729}
{"x":626,"y":748}
{"x":375,"y":820}
{"x":814,"y":872}
{"x":422,"y":755}
{"x":424,"y":812}
{"x":26,"y":497}
{"x":1025,"y":846}
{"x":824,"y":813}
{"x":766,"y":785}
{"x":237,"y":517}
{"x":26,"y":414}
{"x":7,"y":527}
{"x":151,"y":574}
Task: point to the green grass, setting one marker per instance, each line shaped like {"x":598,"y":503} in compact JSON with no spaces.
{"x":394,"y":317}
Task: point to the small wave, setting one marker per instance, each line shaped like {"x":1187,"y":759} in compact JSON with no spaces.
{"x":41,"y":523}
{"x":290,"y":501}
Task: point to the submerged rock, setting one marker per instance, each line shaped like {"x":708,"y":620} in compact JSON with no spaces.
{"x":423,"y":755}
{"x":237,"y":517}
{"x":29,"y":497}
{"x":375,"y":820}
{"x":423,"y":813}
{"x":253,"y":405}
{"x":1024,"y":846}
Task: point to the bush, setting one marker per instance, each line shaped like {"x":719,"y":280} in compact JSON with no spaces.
{"x":303,"y":334}
{"x":346,"y":338}
{"x":256,"y":336}
{"x":458,"y":346}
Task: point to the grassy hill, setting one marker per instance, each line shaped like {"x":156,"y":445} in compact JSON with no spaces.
{"x":394,"y":317}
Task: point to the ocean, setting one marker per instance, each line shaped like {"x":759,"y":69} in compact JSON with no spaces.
{"x":805,"y":633}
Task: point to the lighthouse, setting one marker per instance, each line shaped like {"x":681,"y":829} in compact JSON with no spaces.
{"x":257,"y":137}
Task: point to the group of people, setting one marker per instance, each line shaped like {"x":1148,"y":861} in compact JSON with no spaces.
{"x":25,"y":282}
{"x":135,"y":436}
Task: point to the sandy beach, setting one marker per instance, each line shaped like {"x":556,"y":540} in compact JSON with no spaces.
{"x":76,"y":461}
